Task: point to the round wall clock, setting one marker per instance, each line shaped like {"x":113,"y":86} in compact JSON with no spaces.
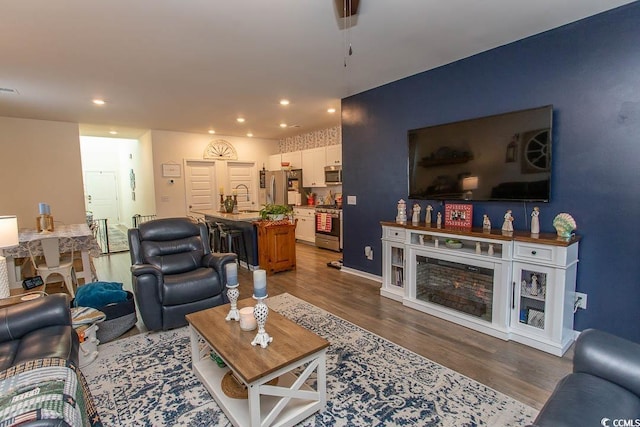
{"x":221,"y":150}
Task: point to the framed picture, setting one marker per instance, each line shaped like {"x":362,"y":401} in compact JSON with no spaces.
{"x":458,"y":215}
{"x":170,"y":170}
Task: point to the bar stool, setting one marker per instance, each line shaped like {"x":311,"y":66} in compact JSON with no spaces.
{"x":232,"y":240}
{"x":214,"y":236}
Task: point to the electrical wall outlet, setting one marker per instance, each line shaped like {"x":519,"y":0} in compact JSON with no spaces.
{"x":368,"y":252}
{"x":582,"y":302}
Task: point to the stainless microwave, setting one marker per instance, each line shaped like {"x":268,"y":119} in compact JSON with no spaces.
{"x":333,"y":175}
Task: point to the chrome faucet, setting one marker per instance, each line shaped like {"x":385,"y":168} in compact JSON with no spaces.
{"x":246,"y":188}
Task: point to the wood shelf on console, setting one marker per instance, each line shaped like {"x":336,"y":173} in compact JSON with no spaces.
{"x":497,"y":234}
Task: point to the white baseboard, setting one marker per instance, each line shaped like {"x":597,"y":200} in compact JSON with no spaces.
{"x":362,"y":274}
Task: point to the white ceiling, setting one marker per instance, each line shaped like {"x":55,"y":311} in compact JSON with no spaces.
{"x":191,"y":65}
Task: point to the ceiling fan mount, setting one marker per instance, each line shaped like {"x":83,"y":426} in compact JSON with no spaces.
{"x":347,"y":8}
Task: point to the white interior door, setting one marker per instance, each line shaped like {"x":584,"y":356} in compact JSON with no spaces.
{"x":101,"y":195}
{"x":200,"y":179}
{"x":242,"y":179}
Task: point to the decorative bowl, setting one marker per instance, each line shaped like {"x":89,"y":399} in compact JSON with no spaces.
{"x":453,"y":244}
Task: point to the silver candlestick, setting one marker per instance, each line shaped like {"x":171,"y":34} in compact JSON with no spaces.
{"x":260,"y":312}
{"x":233,"y":293}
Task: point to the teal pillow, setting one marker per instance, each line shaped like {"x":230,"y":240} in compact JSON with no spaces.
{"x":99,"y":294}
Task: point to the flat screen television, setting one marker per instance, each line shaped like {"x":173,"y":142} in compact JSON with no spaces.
{"x":501,"y":157}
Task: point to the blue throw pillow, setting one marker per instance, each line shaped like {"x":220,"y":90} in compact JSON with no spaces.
{"x":99,"y":294}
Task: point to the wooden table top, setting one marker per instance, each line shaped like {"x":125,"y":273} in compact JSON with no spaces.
{"x":291,"y":342}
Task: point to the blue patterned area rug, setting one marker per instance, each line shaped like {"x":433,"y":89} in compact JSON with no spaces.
{"x":146,"y":380}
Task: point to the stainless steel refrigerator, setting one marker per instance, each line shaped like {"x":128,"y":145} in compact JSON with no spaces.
{"x":279,"y":183}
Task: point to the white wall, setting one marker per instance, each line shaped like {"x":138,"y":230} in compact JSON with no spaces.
{"x":145,"y":203}
{"x":175,"y":147}
{"x":40,"y":162}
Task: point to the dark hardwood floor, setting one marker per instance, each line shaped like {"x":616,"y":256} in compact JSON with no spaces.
{"x":516,"y":370}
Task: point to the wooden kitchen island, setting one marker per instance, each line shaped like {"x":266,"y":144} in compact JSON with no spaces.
{"x":271,"y":245}
{"x":277,"y":241}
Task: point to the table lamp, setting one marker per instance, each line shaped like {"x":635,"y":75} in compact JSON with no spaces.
{"x":8,"y":238}
{"x":469,"y":184}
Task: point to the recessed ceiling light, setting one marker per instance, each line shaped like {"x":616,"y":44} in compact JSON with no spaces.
{"x":284,"y":102}
{"x":98,"y":101}
{"x":331,"y":110}
{"x":283,"y":125}
{"x":113,"y":132}
{"x":240,"y":119}
{"x":211,"y":131}
{"x":249,"y":134}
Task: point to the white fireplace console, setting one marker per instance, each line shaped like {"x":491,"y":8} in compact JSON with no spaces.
{"x":514,"y":286}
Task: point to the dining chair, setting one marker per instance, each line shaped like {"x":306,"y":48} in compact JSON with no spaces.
{"x":56,"y":262}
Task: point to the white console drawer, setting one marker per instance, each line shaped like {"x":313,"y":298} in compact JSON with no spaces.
{"x":533,"y":252}
{"x":394,"y":233}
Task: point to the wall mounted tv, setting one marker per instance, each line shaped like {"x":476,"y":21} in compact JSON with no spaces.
{"x":501,"y":157}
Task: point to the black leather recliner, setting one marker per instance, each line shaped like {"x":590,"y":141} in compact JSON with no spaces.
{"x":604,"y":388}
{"x":37,"y":329}
{"x":174,"y":272}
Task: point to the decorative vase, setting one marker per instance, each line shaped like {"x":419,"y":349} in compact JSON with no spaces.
{"x":229,"y":204}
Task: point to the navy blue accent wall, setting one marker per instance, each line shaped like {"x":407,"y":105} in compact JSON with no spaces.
{"x":590,"y":72}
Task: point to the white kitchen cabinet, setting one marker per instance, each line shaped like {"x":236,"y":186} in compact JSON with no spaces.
{"x":305,"y":229}
{"x":294,"y":158}
{"x":334,"y":155}
{"x":313,"y":163}
{"x":274,"y":162}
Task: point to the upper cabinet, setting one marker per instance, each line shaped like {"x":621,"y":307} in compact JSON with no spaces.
{"x":274,"y":162}
{"x":334,"y":155}
{"x":313,"y":163}
{"x":294,"y":159}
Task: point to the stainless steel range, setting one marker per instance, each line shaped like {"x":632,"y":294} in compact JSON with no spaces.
{"x":329,"y":227}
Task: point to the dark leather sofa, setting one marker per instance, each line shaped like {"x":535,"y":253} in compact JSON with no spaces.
{"x":37,"y":329}
{"x":604,"y":388}
{"x":174,"y":272}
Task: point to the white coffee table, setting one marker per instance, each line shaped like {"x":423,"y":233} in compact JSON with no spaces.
{"x":284,"y":404}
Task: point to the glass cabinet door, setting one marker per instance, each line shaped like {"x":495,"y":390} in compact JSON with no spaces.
{"x":394,"y":271}
{"x":532,"y":294}
{"x":397,"y":267}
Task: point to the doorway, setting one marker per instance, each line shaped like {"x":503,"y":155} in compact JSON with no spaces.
{"x":101,"y":195}
{"x":200,"y":182}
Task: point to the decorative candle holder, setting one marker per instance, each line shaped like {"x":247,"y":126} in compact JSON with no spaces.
{"x":233,"y":293}
{"x":222,"y":209}
{"x":44,"y":223}
{"x":260,"y":312}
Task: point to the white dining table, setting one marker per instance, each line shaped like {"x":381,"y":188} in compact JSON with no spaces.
{"x":80,"y":239}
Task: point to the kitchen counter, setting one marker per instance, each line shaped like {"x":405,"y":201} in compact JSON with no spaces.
{"x":242,"y":221}
{"x":247,"y":216}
